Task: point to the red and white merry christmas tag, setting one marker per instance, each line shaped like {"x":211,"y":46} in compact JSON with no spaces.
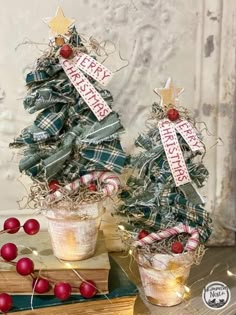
{"x":173,"y":152}
{"x":93,"y":68}
{"x":87,"y":91}
{"x":189,"y":134}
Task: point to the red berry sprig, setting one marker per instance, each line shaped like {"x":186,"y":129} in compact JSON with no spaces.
{"x":92,"y":187}
{"x":54,"y":185}
{"x":66,"y":51}
{"x":172,"y":114}
{"x":177,"y":247}
{"x":142,"y":234}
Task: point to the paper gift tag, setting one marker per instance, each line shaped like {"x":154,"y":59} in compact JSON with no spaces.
{"x":87,"y":91}
{"x":173,"y":152}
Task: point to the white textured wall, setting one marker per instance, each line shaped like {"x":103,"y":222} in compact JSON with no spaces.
{"x":158,"y":38}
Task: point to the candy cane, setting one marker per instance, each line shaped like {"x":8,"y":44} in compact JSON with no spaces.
{"x":191,"y":244}
{"x":110,"y":180}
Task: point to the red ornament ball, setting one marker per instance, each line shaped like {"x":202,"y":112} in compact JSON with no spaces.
{"x":88,"y":289}
{"x":9,"y":251}
{"x":92,"y":187}
{"x":62,"y":290}
{"x":41,"y":285}
{"x":177,"y":247}
{"x":25,"y":266}
{"x":66,"y":51}
{"x":142,"y":234}
{"x":6,"y":302}
{"x":173,"y":114}
{"x":53,"y":185}
{"x":11,"y":224}
{"x":31,"y":226}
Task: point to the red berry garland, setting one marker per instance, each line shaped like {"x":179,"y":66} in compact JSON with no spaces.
{"x":41,"y":285}
{"x":88,"y":289}
{"x":6,"y":302}
{"x":173,"y":114}
{"x":66,"y":51}
{"x":177,"y":247}
{"x":11,"y":224}
{"x":142,"y":234}
{"x":25,"y":266}
{"x":31,"y":226}
{"x":9,"y":251}
{"x":62,"y":290}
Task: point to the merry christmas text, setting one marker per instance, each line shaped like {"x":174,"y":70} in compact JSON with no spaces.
{"x":90,"y":95}
{"x":173,"y":152}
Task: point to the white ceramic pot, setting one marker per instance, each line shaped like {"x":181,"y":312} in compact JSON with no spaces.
{"x":74,"y":233}
{"x":164,"y":276}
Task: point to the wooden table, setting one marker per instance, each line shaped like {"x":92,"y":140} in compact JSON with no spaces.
{"x":214,"y":266}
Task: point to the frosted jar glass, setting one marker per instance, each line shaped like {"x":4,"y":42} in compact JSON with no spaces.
{"x":74,"y":233}
{"x":164,"y":276}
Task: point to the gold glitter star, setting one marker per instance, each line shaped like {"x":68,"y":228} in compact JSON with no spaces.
{"x":60,"y":24}
{"x":169,"y":94}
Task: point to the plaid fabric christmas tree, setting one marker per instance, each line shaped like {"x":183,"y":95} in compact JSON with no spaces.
{"x":66,"y":140}
{"x":152,"y":201}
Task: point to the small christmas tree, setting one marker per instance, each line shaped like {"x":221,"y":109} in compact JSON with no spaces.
{"x":162,"y":192}
{"x":75,"y":131}
{"x":167,"y":223}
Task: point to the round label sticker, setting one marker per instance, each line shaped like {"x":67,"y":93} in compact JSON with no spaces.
{"x":216,"y":295}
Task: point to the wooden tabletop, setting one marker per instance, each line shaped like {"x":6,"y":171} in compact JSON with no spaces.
{"x":214,"y":266}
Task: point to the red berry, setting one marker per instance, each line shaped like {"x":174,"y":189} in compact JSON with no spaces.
{"x":31,"y":226}
{"x":41,"y":285}
{"x":9,"y":251}
{"x":25,"y":266}
{"x":142,"y":234}
{"x":177,"y":248}
{"x":62,"y":290}
{"x":11,"y":224}
{"x":6,"y":302}
{"x":53,"y":185}
{"x":88,"y":289}
{"x":92,"y":187}
{"x":173,"y":114}
{"x":66,"y":51}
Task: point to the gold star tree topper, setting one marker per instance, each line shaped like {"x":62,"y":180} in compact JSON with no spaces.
{"x":169,"y":94}
{"x":59,"y":24}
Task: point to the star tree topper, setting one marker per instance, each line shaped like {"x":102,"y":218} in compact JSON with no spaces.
{"x":169,"y":94}
{"x":59,"y":24}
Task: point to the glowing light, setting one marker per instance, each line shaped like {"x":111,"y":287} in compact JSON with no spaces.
{"x":35,"y":252}
{"x":121,"y":227}
{"x":187,"y":289}
{"x":130,"y":252}
{"x":179,"y":294}
{"x":229,"y":273}
{"x":68,"y":265}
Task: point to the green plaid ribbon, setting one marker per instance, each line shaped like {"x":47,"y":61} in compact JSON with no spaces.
{"x":93,"y":148}
{"x":66,"y":140}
